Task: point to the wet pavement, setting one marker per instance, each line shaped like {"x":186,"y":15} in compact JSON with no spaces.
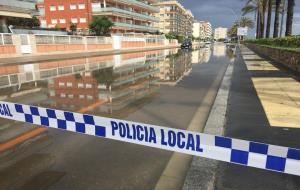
{"x":163,"y":87}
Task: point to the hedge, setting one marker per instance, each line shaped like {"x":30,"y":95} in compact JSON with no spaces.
{"x":289,"y":42}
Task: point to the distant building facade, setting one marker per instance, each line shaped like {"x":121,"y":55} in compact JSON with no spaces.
{"x":133,"y":16}
{"x":174,"y":18}
{"x":207,"y":29}
{"x":220,"y":33}
{"x":202,"y":29}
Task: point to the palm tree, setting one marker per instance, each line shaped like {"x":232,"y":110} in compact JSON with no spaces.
{"x":276,"y":21}
{"x":259,"y":6}
{"x":289,"y":17}
{"x":270,"y":3}
{"x":242,"y":22}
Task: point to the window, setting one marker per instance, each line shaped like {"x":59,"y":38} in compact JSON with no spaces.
{"x":63,"y":95}
{"x":73,"y":6}
{"x":61,"y":7}
{"x":74,"y":20}
{"x":81,"y":96}
{"x":80,"y":85}
{"x":52,"y":8}
{"x":81,"y":6}
{"x":70,"y":96}
{"x":54,"y":21}
{"x":69,"y":84}
{"x":62,"y":21}
{"x":88,"y":86}
{"x":83,"y":20}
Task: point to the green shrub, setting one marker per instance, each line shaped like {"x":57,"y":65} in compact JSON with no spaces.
{"x":290,"y":42}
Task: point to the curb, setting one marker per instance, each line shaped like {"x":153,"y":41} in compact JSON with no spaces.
{"x":202,"y":172}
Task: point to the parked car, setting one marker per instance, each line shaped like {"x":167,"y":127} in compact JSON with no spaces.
{"x":187,"y":44}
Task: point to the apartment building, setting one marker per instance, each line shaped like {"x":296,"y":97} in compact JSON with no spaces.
{"x":202,"y":29}
{"x":220,"y":33}
{"x":207,"y":29}
{"x":127,"y":16}
{"x":15,"y":8}
{"x":174,"y":18}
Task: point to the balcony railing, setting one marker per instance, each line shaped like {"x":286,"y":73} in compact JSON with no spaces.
{"x":122,"y":11}
{"x":133,"y":26}
{"x":144,"y":5}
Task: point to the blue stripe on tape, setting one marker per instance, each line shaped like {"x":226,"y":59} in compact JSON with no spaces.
{"x":69,"y":116}
{"x":239,"y":156}
{"x":100,"y":131}
{"x":293,"y":153}
{"x":275,"y":163}
{"x":28,"y":118}
{"x":51,"y":113}
{"x":61,"y":124}
{"x":88,"y":119}
{"x":223,"y":142}
{"x":258,"y":148}
{"x":44,"y":121}
{"x":34,"y":110}
{"x":80,"y":127}
{"x":19,"y":108}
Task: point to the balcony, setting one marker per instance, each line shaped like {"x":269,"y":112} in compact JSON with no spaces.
{"x":133,"y":26}
{"x":97,"y":10}
{"x":140,"y":4}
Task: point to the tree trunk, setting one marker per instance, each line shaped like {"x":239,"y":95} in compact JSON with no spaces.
{"x":276,"y":21}
{"x":282,"y":17}
{"x":269,"y":19}
{"x":289,"y":17}
{"x":262,"y":21}
{"x":257,"y":24}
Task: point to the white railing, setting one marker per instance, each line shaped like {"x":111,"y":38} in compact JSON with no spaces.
{"x":6,"y":39}
{"x":64,"y":39}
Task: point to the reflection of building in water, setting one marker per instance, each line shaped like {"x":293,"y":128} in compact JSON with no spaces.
{"x":219,"y":49}
{"x":111,"y":89}
{"x":175,"y":66}
{"x":207,"y":54}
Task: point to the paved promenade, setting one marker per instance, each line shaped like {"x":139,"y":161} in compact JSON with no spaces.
{"x":263,"y":106}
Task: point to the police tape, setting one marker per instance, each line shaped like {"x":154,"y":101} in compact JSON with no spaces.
{"x":247,"y":153}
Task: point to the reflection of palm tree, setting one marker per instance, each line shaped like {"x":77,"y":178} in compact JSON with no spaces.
{"x":289,"y":17}
{"x":104,"y":76}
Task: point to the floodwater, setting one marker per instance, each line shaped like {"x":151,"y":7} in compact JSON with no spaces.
{"x":163,"y":87}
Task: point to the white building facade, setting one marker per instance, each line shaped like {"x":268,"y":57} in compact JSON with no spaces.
{"x":220,"y":33}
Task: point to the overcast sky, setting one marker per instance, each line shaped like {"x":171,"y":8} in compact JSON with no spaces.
{"x":224,"y":12}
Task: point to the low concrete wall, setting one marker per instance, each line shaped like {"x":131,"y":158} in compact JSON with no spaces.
{"x":287,"y":58}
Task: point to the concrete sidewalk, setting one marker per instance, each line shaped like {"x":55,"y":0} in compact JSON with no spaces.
{"x":263,"y":106}
{"x":77,"y":54}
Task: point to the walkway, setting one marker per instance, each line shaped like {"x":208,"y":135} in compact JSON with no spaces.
{"x":264,"y":107}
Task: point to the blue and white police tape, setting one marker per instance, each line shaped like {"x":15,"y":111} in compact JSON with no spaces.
{"x":248,"y":153}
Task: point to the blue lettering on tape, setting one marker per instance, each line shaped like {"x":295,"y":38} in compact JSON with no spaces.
{"x":4,"y":110}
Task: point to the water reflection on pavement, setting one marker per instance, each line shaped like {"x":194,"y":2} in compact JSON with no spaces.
{"x":118,"y":86}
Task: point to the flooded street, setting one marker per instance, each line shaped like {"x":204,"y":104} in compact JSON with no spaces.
{"x":163,"y":87}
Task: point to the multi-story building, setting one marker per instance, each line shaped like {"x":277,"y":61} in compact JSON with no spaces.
{"x":220,"y":33}
{"x":198,"y":30}
{"x":15,"y":8}
{"x":207,"y":29}
{"x":127,"y":16}
{"x":174,"y":18}
{"x":189,"y":23}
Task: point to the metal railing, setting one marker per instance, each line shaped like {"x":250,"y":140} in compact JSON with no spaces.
{"x":6,"y":39}
{"x":63,"y":39}
{"x":98,"y":40}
